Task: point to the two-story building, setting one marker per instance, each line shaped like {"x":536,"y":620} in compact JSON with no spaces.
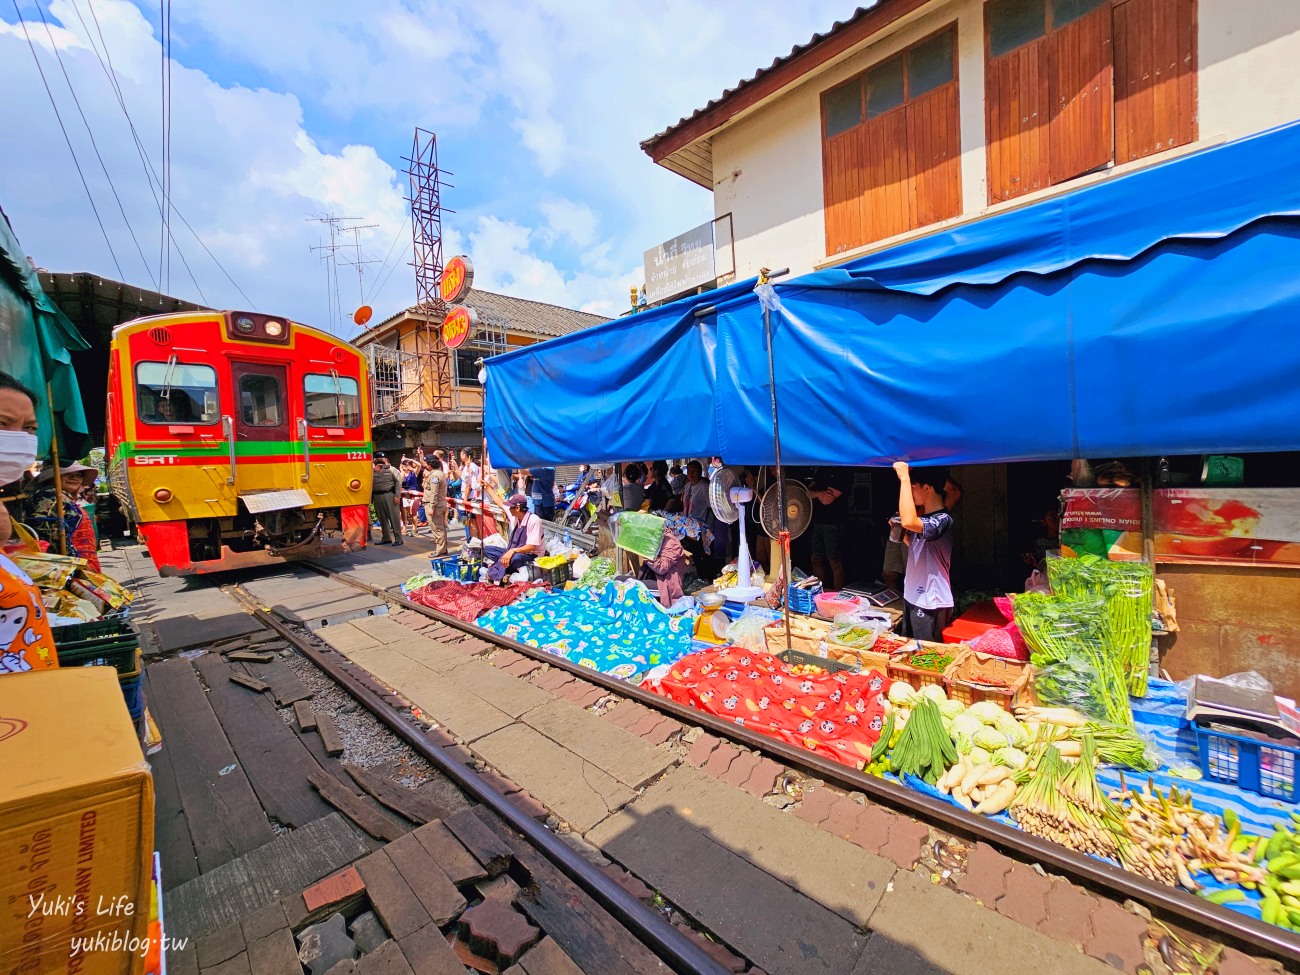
{"x":914,"y":118}
{"x":425,"y":395}
{"x":915,"y":115}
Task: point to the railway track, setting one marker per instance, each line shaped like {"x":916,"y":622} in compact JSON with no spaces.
{"x":679,"y":952}
{"x":1196,"y":914}
{"x":953,"y":837}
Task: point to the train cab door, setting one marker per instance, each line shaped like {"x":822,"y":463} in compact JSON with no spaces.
{"x":261,"y":416}
{"x":261,"y":402}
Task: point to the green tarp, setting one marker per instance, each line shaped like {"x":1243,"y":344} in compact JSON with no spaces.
{"x":36,"y":342}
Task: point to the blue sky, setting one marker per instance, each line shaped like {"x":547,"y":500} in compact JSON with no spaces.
{"x":282,"y":109}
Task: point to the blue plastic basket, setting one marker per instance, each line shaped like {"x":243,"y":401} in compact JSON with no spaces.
{"x":453,"y":567}
{"x":802,"y":600}
{"x":1267,"y":767}
{"x":134,"y":695}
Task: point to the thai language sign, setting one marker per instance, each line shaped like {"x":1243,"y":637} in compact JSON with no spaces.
{"x":678,"y":265}
{"x":1198,"y":524}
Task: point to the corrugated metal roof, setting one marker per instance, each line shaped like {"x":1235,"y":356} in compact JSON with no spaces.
{"x":511,"y":313}
{"x":799,"y":49}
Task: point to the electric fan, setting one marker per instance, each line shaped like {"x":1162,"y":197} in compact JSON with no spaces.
{"x":798,"y":509}
{"x":728,"y":497}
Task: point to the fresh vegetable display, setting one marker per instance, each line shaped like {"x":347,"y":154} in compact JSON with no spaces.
{"x":1040,"y":767}
{"x":1073,"y":655}
{"x":1167,"y":839}
{"x":1066,"y":805}
{"x":930,"y":660}
{"x":924,"y":748}
{"x":1126,"y":592}
{"x":1115,"y":745}
{"x":1280,"y":885}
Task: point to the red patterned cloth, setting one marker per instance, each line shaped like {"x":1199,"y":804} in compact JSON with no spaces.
{"x":836,"y":715}
{"x":469,"y":601}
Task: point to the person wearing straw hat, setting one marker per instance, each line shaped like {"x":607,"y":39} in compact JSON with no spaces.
{"x":44,"y":511}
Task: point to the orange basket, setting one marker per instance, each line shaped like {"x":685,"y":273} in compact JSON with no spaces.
{"x":901,"y":668}
{"x":973,"y":677}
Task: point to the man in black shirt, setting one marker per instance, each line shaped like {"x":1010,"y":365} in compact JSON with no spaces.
{"x":830,"y":493}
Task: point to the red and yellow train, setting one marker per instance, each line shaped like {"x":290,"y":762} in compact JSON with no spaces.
{"x":238,"y":439}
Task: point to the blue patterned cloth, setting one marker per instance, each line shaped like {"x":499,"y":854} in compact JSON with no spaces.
{"x":619,"y":630}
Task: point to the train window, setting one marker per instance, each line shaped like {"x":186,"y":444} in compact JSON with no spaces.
{"x":260,"y":402}
{"x":332,"y":401}
{"x":170,"y":392}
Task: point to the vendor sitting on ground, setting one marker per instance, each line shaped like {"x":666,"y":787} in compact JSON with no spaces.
{"x":526,"y":536}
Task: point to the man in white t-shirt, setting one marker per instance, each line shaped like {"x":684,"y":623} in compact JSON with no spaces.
{"x":927,"y":526}
{"x":471,"y":489}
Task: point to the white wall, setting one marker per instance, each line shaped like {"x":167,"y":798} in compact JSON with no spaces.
{"x":768,"y":165}
{"x":1249,"y":59}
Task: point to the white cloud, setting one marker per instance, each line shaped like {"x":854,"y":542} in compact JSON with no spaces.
{"x":567,"y":220}
{"x":299,"y":107}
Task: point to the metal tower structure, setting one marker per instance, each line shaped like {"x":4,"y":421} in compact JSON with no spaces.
{"x":426,"y":236}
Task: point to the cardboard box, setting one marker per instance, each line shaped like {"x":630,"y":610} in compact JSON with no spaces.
{"x":76,"y":826}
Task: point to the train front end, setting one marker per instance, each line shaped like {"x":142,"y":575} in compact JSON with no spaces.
{"x":238,"y":439}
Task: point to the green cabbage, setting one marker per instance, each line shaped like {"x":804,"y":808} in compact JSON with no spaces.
{"x":934,"y":692}
{"x":950,"y":708}
{"x":902,"y":694}
{"x":990,"y":739}
{"x":1011,"y":758}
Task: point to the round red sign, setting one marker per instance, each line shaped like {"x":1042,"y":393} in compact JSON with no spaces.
{"x":457,"y":278}
{"x":459,"y":326}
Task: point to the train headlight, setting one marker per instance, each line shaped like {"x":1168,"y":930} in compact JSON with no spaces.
{"x":274,"y":329}
{"x":162,"y":495}
{"x":245,"y":325}
{"x":354,"y":485}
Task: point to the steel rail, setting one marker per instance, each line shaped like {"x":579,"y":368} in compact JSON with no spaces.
{"x":673,"y":948}
{"x":1240,"y":928}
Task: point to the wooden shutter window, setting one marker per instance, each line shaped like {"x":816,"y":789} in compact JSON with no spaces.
{"x":899,"y":168}
{"x":1155,"y":76}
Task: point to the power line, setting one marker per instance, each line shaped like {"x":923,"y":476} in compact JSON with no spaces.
{"x":384,"y":264}
{"x":379,"y":288}
{"x":151,"y":175}
{"x":102,"y":165}
{"x":167,"y":220}
{"x":50,"y":95}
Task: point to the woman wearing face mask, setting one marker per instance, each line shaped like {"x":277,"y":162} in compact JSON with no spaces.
{"x":25,"y":639}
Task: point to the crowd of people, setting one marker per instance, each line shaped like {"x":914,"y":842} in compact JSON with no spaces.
{"x":414,"y":498}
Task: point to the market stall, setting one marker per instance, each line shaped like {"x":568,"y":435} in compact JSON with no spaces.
{"x":1118,"y":339}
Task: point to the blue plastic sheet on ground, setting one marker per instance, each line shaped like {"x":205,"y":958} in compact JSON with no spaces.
{"x":620,"y":630}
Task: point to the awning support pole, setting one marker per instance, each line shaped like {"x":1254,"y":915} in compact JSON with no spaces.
{"x":764,"y":276}
{"x":58,"y":480}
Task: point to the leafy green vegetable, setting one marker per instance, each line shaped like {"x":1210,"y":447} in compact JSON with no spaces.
{"x":1073,"y":655}
{"x":1125,"y":589}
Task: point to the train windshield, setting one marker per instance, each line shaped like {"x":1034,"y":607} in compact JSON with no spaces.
{"x":170,"y":392}
{"x":332,"y":400}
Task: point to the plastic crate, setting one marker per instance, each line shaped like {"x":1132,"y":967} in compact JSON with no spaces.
{"x":803,"y":601}
{"x":808,"y":636}
{"x":133,"y":693}
{"x":973,"y":677}
{"x":136,"y":671}
{"x":1267,"y":767}
{"x":121,"y":655}
{"x":918,"y":677}
{"x":109,"y":626}
{"x":797,"y":658}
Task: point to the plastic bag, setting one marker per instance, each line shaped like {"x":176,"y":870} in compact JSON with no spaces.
{"x":520,"y":576}
{"x":580,"y":566}
{"x":1249,"y":680}
{"x":498,"y":540}
{"x":1074,"y":656}
{"x":639,"y":533}
{"x":747,"y":632}
{"x":858,"y":628}
{"x":1180,"y":767}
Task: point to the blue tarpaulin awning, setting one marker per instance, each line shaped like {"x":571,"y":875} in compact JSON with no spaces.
{"x":1147,"y":314}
